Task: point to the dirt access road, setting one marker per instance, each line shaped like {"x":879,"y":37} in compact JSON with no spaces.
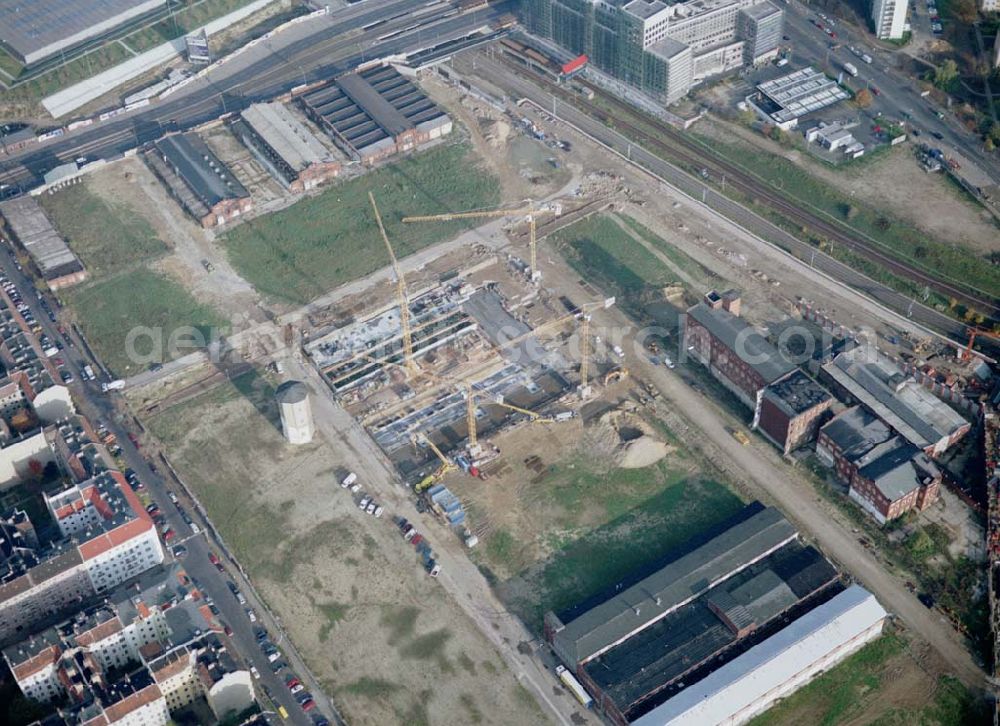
{"x":459,"y":576}
{"x":762,"y":470}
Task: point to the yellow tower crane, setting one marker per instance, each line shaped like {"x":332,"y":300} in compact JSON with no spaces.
{"x":530,"y":212}
{"x":409,"y":364}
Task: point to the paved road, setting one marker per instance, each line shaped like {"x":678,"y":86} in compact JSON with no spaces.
{"x":335,"y":45}
{"x":95,"y":405}
{"x":745,"y":218}
{"x":897,"y":93}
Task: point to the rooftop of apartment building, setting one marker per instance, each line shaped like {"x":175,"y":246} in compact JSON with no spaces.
{"x":120,"y":517}
{"x":796,"y":393}
{"x":906,"y":406}
{"x":168,"y":590}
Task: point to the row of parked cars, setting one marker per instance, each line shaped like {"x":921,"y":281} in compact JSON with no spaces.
{"x":366,"y":503}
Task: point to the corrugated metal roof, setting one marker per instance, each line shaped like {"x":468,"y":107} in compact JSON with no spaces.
{"x":288,"y":136}
{"x":679,"y":582}
{"x":737,"y":686}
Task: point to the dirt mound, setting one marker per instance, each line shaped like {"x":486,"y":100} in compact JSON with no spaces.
{"x":642,"y":452}
{"x":625,"y":440}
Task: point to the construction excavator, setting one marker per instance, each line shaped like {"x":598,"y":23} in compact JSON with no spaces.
{"x":447,"y":465}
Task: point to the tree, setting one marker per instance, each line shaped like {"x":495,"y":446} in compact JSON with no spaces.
{"x":945,"y":74}
{"x":863,"y":98}
{"x":965,"y":11}
{"x":988,"y":145}
{"x":995,"y":133}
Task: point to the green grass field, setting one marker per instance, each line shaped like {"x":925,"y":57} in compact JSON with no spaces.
{"x":107,"y":311}
{"x":192,"y":16}
{"x":844,"y":693}
{"x":895,"y":236}
{"x":653,"y":511}
{"x":321,"y":242}
{"x":107,"y":239}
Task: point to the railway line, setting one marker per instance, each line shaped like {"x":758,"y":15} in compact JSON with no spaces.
{"x":672,"y":146}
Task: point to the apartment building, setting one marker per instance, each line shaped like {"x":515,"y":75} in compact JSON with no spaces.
{"x":661,"y":49}
{"x":107,"y":538}
{"x":164,"y":624}
{"x":889,"y":18}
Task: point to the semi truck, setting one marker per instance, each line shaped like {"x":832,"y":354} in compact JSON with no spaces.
{"x":570,"y":681}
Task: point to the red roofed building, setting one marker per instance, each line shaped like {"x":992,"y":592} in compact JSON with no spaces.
{"x":109,"y":539}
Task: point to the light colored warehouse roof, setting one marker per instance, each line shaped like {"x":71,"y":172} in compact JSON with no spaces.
{"x":801,"y":92}
{"x":735,"y":687}
{"x":33,"y":230}
{"x":288,"y":136}
{"x":37,"y":29}
{"x":679,"y":582}
{"x":878,"y":384}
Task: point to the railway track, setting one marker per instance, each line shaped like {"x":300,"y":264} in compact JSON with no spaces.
{"x":672,"y":146}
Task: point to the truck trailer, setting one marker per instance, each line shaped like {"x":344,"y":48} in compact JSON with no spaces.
{"x":575,"y":687}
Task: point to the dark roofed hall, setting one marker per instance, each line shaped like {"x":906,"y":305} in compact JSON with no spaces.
{"x":209,"y":179}
{"x":749,"y":344}
{"x":635,"y":608}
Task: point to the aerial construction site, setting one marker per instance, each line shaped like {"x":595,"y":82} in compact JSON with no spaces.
{"x":438,"y":370}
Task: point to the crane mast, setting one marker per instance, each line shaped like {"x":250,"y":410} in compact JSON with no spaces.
{"x":410,"y":364}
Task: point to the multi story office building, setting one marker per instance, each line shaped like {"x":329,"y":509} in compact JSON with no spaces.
{"x":660,"y":49}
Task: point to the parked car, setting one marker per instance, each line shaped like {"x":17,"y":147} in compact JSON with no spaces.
{"x":297,"y":688}
{"x":251,"y":615}
{"x":180,"y":551}
{"x":254,"y":672}
{"x":292,"y":680}
{"x":168,"y":534}
{"x":275,"y":667}
{"x":241,"y":600}
{"x":227,"y":630}
{"x":363,"y":504}
{"x":308,"y":706}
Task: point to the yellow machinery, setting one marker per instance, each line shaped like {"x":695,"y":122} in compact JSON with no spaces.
{"x":529,"y":212}
{"x":447,"y":465}
{"x":410,"y":365}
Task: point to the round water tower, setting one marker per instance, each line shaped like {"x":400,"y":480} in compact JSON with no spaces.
{"x":296,"y":414}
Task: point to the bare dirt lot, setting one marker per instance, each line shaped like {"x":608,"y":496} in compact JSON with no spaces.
{"x":380,"y":635}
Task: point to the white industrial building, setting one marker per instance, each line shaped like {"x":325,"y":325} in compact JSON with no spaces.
{"x":296,"y":414}
{"x":889,"y":18}
{"x":782,"y":101}
{"x":751,"y":683}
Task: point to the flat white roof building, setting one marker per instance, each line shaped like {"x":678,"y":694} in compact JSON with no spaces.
{"x":748,"y":685}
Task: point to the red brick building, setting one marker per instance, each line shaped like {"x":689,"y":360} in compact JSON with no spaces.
{"x":790,"y":410}
{"x":885,"y":474}
{"x":738,"y":355}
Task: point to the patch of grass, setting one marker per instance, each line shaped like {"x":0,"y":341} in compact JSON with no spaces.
{"x":606,"y":255}
{"x":30,"y":92}
{"x":107,"y":238}
{"x":685,"y":263}
{"x":400,"y":621}
{"x":843,"y":693}
{"x":671,"y":515}
{"x":334,"y":612}
{"x":427,"y":646}
{"x":108,"y":312}
{"x":467,"y":663}
{"x":321,"y":242}
{"x":373,"y":688}
{"x":469,"y":703}
{"x":178,"y":23}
